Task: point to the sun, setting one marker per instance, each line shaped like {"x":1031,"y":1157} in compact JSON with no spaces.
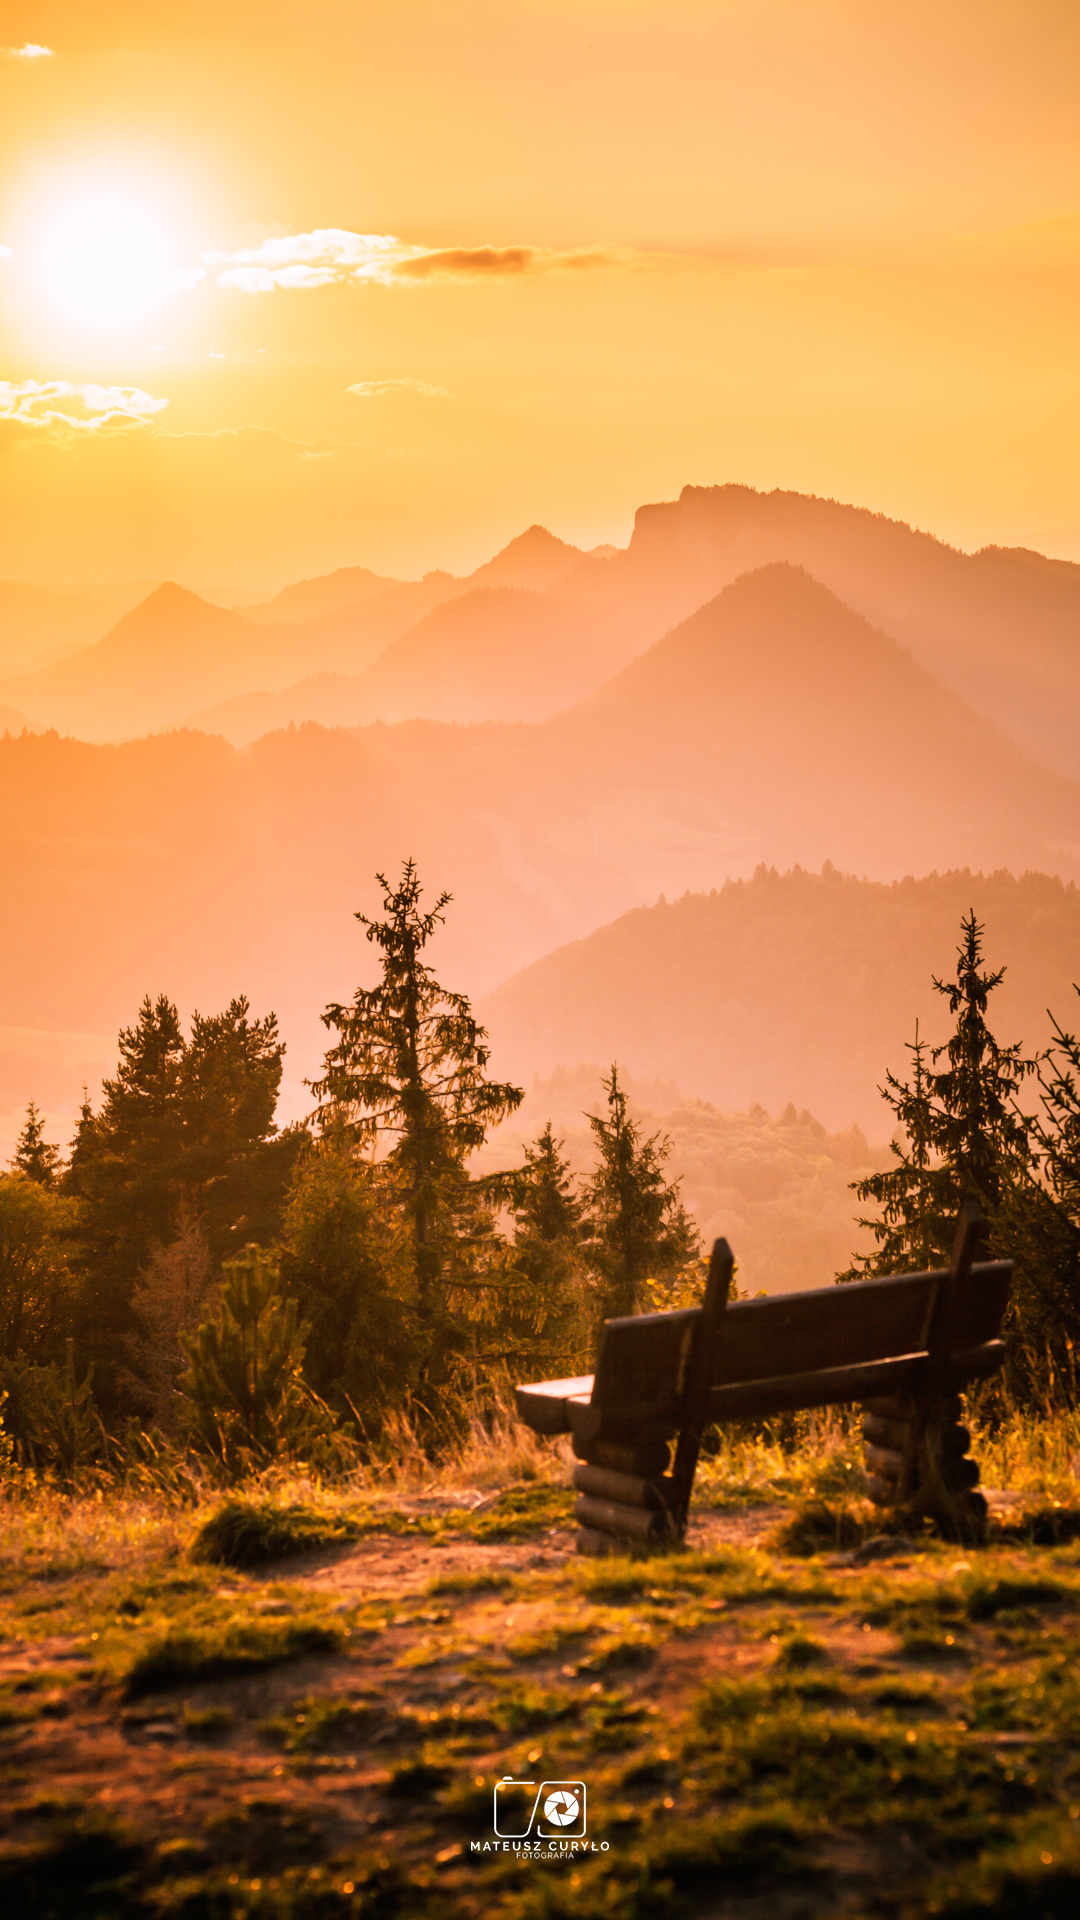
{"x":104,"y":261}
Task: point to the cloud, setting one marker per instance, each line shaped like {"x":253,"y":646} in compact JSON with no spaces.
{"x":333,"y":256}
{"x":29,"y":52}
{"x":315,"y":259}
{"x":486,"y":262}
{"x":7,"y":253}
{"x":376,"y":389}
{"x":67,"y":406}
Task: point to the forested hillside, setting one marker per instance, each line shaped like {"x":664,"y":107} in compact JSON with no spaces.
{"x":796,"y":986}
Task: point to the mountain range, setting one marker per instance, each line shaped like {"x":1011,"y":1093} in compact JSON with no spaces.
{"x":176,"y":655}
{"x":602,"y":728}
{"x":41,"y":624}
{"x":773,"y":725}
{"x":999,"y":628}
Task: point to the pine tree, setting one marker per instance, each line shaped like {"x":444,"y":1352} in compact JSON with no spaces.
{"x":342,"y":1263}
{"x":636,"y":1226}
{"x":1041,"y":1223}
{"x":966,"y":1138}
{"x":981,"y":1137}
{"x":545,"y":1310}
{"x":34,"y":1156}
{"x":908,"y":1228}
{"x":245,"y":1400}
{"x":407,"y":1077}
{"x":184,"y":1135}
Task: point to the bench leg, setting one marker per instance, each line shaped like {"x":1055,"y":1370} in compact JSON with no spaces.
{"x":624,"y":1498}
{"x":916,"y":1454}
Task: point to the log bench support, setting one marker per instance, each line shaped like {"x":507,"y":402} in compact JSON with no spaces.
{"x":632,"y":1492}
{"x":903,"y":1347}
{"x":914,"y":1446}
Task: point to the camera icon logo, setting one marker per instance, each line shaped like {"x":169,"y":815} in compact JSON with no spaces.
{"x":556,"y":1808}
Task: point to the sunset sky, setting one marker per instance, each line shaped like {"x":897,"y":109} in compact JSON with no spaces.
{"x":288,"y":288}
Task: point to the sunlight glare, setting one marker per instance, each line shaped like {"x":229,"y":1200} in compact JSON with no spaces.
{"x":104,"y":261}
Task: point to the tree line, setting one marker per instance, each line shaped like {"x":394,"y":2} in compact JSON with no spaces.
{"x":195,"y":1272}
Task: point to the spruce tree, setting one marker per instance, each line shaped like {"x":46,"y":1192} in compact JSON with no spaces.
{"x":976,"y":1128}
{"x":407,"y":1079}
{"x":342,"y":1264}
{"x":545,"y":1310}
{"x":184,"y":1137}
{"x":908,"y":1227}
{"x":34,"y":1156}
{"x":244,"y":1397}
{"x":1041,"y":1220}
{"x":964,"y":1135}
{"x":636,"y":1227}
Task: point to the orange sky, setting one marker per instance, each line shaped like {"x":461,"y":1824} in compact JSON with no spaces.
{"x":614,"y":247}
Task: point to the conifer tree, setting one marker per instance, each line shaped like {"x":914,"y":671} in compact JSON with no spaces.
{"x":975,"y":1126}
{"x":407,"y":1078}
{"x":34,"y":1156}
{"x":1041,"y":1224}
{"x":907,"y":1229}
{"x":245,"y":1400}
{"x":636,"y":1226}
{"x":342,"y":1263}
{"x":184,"y":1137}
{"x":545,"y":1309}
{"x":964,"y":1135}
{"x":547,"y":1211}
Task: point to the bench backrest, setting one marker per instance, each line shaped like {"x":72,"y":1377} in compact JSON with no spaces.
{"x":796,"y":1349}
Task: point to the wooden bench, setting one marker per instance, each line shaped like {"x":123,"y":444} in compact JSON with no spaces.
{"x":902,"y":1347}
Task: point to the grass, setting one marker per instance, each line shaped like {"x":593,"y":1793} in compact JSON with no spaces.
{"x":188,"y":1656}
{"x":246,"y":1532}
{"x":768,"y":1727}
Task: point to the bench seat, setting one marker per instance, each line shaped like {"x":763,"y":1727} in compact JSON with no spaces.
{"x":900,"y":1344}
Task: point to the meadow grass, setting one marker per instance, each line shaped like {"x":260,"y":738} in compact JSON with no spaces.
{"x":763,"y":1726}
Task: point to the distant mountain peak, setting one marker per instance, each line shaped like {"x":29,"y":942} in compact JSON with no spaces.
{"x":171,"y":594}
{"x":537,"y":536}
{"x":535,"y":558}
